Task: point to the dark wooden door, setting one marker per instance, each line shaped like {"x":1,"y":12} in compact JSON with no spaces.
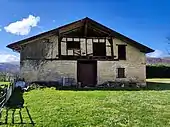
{"x":87,"y":72}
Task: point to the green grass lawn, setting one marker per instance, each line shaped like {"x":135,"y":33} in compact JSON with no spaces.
{"x":53,"y":108}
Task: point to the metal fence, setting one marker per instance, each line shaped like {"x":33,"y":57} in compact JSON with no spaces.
{"x":5,"y":95}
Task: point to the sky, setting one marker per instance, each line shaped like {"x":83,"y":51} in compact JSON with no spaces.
{"x":146,"y":21}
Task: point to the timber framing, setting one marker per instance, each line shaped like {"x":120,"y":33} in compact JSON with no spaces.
{"x":77,"y":52}
{"x":83,"y":27}
{"x":72,"y":57}
{"x":111,"y":43}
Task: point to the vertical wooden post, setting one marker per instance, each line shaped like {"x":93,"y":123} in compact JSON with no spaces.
{"x":59,"y":46}
{"x":111,"y":43}
{"x":85,"y":28}
{"x":80,"y":47}
{"x":73,"y":49}
{"x":66,"y":47}
{"x":85,"y":34}
{"x":86,"y":45}
{"x":52,"y":49}
{"x":105,"y":46}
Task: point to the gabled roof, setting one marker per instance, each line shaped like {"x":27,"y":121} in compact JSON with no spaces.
{"x":85,"y":23}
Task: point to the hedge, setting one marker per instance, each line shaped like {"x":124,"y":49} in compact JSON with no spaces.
{"x":160,"y":71}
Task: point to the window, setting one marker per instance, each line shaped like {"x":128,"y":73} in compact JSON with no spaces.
{"x":121,"y":73}
{"x":99,"y":49}
{"x":122,"y":52}
{"x":73,"y":45}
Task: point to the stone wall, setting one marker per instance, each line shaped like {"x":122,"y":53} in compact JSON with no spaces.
{"x":46,"y":70}
{"x":135,"y":65}
{"x":107,"y":71}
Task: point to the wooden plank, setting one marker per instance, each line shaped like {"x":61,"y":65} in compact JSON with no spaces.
{"x":64,"y":36}
{"x":66,"y":47}
{"x":86,"y":45}
{"x":99,"y":30}
{"x":85,"y":28}
{"x":59,"y":45}
{"x":80,"y":46}
{"x":71,"y":27}
{"x":111,"y":43}
{"x":73,"y":57}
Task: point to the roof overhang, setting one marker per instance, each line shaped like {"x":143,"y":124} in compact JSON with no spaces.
{"x":83,"y":23}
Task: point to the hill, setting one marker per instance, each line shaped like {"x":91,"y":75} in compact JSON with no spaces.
{"x":165,"y":60}
{"x":12,"y":67}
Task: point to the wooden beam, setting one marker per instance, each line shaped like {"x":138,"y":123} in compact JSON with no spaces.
{"x":66,"y":47}
{"x":85,"y":28}
{"x":70,"y":31}
{"x":86,"y":37}
{"x":52,"y":50}
{"x":111,"y":43}
{"x":99,"y":30}
{"x":72,"y":57}
{"x":85,"y":34}
{"x":35,"y":38}
{"x":71,"y":27}
{"x":80,"y":46}
{"x":121,"y":44}
{"x":59,"y":45}
{"x":86,"y":45}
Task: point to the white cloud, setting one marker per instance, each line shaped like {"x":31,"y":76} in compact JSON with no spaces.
{"x":7,"y":57}
{"x":23,"y":27}
{"x":0,"y":29}
{"x":156,"y":53}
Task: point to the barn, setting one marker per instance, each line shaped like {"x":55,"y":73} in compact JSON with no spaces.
{"x":83,"y":51}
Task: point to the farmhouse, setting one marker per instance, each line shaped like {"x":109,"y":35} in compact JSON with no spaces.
{"x":85,"y":52}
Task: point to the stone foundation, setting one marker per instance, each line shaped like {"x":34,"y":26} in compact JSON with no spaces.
{"x":65,"y":72}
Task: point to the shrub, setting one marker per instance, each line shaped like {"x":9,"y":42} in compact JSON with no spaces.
{"x":158,"y":71}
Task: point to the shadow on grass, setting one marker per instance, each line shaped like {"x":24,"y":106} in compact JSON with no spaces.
{"x":13,"y":114}
{"x":15,"y":103}
{"x":16,"y":100}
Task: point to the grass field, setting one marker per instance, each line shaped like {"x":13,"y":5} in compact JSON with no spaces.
{"x":53,"y":108}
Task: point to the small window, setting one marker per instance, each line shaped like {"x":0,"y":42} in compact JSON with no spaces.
{"x":121,"y":73}
{"x":73,"y":45}
{"x":122,"y":52}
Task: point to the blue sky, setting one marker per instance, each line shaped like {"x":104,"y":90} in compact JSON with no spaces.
{"x":146,"y":21}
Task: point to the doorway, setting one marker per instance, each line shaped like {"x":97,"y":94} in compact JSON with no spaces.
{"x":87,"y":72}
